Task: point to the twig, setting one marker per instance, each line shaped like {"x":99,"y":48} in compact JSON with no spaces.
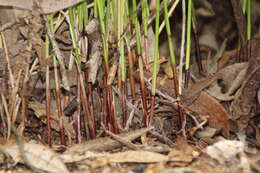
{"x":128,"y":103}
{"x":152,"y":17}
{"x":131,"y":116}
{"x":161,"y":138}
{"x":166,"y":96}
{"x":169,"y":14}
{"x":7,"y":26}
{"x":121,"y":140}
{"x":199,"y":126}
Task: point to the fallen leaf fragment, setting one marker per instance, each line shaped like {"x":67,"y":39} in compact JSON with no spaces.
{"x":40,"y":112}
{"x":225,"y":150}
{"x":39,"y":156}
{"x":136,"y":157}
{"x":74,"y":157}
{"x":180,"y":156}
{"x":130,"y":157}
{"x":184,"y":152}
{"x":207,"y":106}
{"x":207,"y":132}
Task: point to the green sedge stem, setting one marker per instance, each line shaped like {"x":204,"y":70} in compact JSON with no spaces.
{"x":248,"y":28}
{"x":145,"y":7}
{"x":121,"y":41}
{"x":156,"y":49}
{"x":188,"y":39}
{"x":244,"y":6}
{"x":103,"y":30}
{"x":137,"y":28}
{"x":168,"y":30}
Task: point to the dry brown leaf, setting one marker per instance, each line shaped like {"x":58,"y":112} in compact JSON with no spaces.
{"x":231,"y":78}
{"x":47,"y":6}
{"x":40,"y":111}
{"x":38,"y":155}
{"x":207,"y":106}
{"x":184,"y":153}
{"x":180,"y":156}
{"x":227,"y":55}
{"x":212,"y":65}
{"x":216,"y":91}
{"x":244,"y":105}
{"x":75,"y":157}
{"x":207,"y":132}
{"x":140,"y":156}
{"x":230,"y":74}
{"x":95,"y":54}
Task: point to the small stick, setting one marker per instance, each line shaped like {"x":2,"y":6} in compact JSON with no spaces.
{"x":164,"y":95}
{"x":161,"y":138}
{"x":131,"y":116}
{"x":120,"y":139}
{"x":174,"y":5}
{"x":7,"y":26}
{"x":129,"y":104}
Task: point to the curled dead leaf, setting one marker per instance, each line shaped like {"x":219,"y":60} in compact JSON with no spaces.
{"x":207,"y":106}
{"x":38,"y":155}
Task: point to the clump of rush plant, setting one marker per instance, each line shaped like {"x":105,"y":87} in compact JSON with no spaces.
{"x":123,"y":27}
